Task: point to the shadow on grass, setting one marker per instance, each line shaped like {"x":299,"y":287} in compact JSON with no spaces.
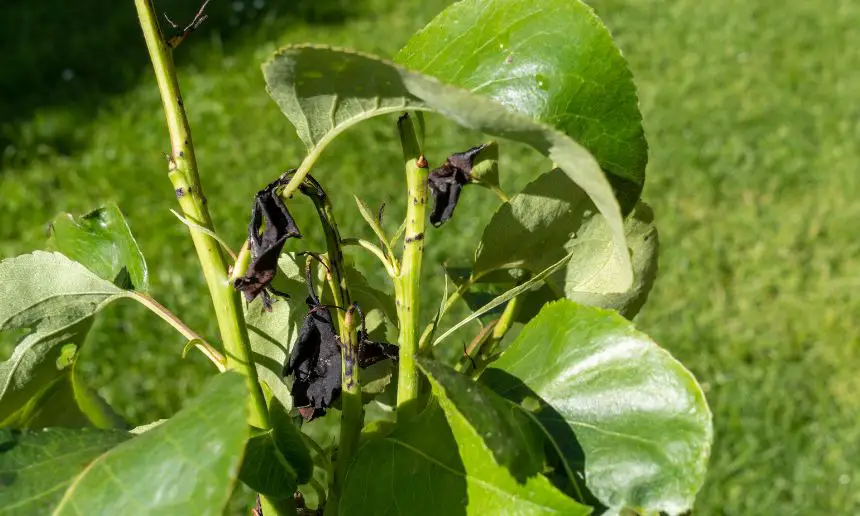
{"x":75,"y":54}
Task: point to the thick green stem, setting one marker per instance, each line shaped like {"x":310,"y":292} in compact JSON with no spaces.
{"x":352,"y":411}
{"x":407,"y":285}
{"x":189,"y":191}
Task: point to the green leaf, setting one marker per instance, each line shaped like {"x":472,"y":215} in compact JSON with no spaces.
{"x":290,"y":443}
{"x":264,"y":468}
{"x":54,"y":299}
{"x":507,"y":296}
{"x":552,"y":217}
{"x":278,"y":460}
{"x":600,"y":388}
{"x":325,"y":91}
{"x":37,"y":467}
{"x":65,"y":402}
{"x":272,"y":333}
{"x":438,"y":464}
{"x":591,"y":276}
{"x":378,"y":306}
{"x":552,"y":60}
{"x":513,"y":439}
{"x":102,"y":241}
{"x":186,"y":465}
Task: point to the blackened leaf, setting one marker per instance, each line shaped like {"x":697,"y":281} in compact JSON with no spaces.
{"x":186,"y":465}
{"x":551,"y":60}
{"x":102,"y":241}
{"x":604,"y":390}
{"x":37,"y":467}
{"x":315,"y":363}
{"x":446,"y":183}
{"x":270,"y":215}
{"x":324,"y":91}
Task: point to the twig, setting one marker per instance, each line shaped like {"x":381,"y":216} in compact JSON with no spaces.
{"x":195,"y":23}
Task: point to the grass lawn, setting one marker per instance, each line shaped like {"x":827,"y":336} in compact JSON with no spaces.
{"x":753,"y":120}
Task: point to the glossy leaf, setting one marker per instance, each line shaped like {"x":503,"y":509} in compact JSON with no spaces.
{"x":54,"y":299}
{"x":513,"y":439}
{"x":36,"y":467}
{"x":439,"y":463}
{"x":552,"y":217}
{"x":186,"y":465}
{"x":325,"y":91}
{"x":552,"y":60}
{"x":603,"y":390}
{"x":591,"y":277}
{"x":102,"y":241}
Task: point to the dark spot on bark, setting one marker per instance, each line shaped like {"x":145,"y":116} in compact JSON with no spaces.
{"x":416,"y":238}
{"x":180,"y":192}
{"x":179,"y":101}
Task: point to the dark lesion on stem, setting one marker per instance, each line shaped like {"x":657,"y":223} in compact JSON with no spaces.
{"x":447,"y":182}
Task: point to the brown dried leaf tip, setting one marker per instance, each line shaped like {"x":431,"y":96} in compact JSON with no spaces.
{"x":266,"y":247}
{"x":447,"y":181}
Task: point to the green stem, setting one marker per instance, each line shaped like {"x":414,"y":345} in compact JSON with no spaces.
{"x":506,"y":320}
{"x":352,"y":411}
{"x":186,"y":182}
{"x":407,"y":285}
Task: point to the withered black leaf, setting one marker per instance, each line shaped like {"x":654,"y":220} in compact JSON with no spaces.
{"x":266,"y":247}
{"x":447,"y":181}
{"x":315,"y":360}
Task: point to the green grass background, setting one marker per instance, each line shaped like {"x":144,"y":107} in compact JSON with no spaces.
{"x":752,"y":113}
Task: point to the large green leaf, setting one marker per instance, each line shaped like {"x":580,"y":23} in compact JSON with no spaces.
{"x":186,"y":465}
{"x":465,"y":454}
{"x":37,"y":467}
{"x":102,"y":242}
{"x":325,"y":91}
{"x":552,"y":60}
{"x":54,"y":299}
{"x":552,"y":217}
{"x":602,"y":389}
